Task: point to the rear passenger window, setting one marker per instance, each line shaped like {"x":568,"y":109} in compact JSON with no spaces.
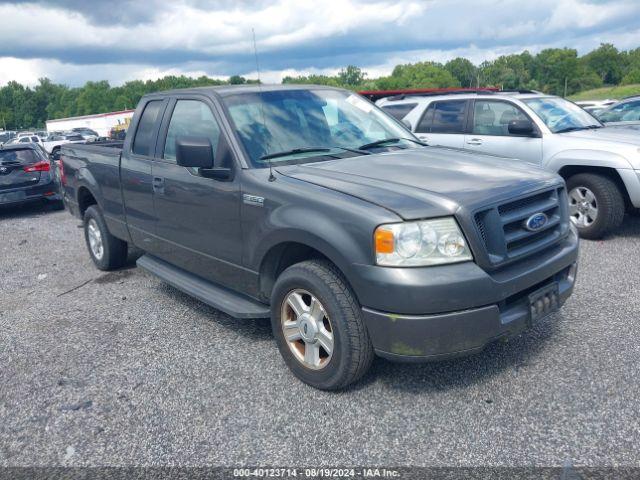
{"x":194,"y":119}
{"x":142,"y":142}
{"x":399,"y":111}
{"x":443,"y":117}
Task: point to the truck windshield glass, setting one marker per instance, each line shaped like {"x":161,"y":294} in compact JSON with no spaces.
{"x":561,"y":115}
{"x":294,"y":120}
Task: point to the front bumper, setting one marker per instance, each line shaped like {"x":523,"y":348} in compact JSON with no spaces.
{"x":490,"y":311}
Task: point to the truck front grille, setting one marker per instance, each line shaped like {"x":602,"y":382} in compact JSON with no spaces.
{"x":503,"y":228}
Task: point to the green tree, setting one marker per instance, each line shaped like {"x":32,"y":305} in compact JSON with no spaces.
{"x":632,"y":77}
{"x":313,"y":80}
{"x":351,"y":76}
{"x":237,"y":80}
{"x":463,"y":70}
{"x":508,"y":71}
{"x":554,"y":67}
{"x":418,"y":75}
{"x":607,"y":62}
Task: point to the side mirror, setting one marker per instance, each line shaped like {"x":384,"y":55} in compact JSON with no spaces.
{"x":522,"y":127}
{"x":195,"y":152}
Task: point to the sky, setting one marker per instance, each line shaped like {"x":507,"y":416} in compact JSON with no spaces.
{"x":73,"y":41}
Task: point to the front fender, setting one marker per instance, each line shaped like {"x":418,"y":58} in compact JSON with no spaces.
{"x":587,"y":157}
{"x":341,"y":242}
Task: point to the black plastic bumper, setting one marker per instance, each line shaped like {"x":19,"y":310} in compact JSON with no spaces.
{"x":416,"y":338}
{"x":47,"y":191}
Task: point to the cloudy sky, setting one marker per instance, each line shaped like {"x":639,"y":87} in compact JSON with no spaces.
{"x":72,"y":41}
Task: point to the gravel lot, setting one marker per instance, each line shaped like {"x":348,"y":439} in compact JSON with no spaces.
{"x":120,"y":369}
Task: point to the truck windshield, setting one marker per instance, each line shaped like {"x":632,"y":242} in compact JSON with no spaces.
{"x":561,"y":115}
{"x":291,"y":125}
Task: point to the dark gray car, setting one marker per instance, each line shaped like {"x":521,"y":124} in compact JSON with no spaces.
{"x":311,"y":206}
{"x":26,"y":174}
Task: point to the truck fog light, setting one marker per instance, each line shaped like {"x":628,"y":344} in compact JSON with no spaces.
{"x":451,"y":245}
{"x":409,"y":240}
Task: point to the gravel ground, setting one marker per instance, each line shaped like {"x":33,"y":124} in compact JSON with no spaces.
{"x":120,"y":369}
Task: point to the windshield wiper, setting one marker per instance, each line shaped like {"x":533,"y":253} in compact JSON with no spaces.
{"x":389,"y":140}
{"x":294,"y":151}
{"x":573,"y":129}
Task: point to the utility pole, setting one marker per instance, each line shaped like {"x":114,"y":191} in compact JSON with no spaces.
{"x":565,"y":87}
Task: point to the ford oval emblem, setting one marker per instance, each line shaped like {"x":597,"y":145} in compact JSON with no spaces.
{"x":536,"y":221}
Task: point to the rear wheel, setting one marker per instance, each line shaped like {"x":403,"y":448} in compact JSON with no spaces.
{"x":596,"y":204}
{"x":318,"y":326}
{"x":107,"y":251}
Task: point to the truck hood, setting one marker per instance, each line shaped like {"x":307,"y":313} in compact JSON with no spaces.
{"x":426,"y":182}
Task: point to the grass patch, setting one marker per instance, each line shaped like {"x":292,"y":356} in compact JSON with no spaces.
{"x":608,"y":92}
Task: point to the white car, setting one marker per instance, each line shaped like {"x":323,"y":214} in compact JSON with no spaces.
{"x":25,"y":139}
{"x":53,"y":142}
{"x":601,"y":165}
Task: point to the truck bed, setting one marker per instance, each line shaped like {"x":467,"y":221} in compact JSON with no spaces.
{"x":98,"y":164}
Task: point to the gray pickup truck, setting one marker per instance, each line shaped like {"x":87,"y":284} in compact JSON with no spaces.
{"x":311,"y":206}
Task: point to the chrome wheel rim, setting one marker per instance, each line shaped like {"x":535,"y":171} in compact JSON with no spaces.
{"x":583,"y":207}
{"x":307,"y":329}
{"x":95,"y":239}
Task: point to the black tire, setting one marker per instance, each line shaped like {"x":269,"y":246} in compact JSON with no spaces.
{"x":114,"y":250}
{"x":609,"y":200}
{"x":352,"y":350}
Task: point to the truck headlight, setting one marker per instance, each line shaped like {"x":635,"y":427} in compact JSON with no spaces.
{"x":420,"y":244}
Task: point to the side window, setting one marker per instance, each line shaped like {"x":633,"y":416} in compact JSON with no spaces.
{"x":142,"y":142}
{"x":444,"y":117}
{"x":492,"y":118}
{"x":448,"y":117}
{"x":192,"y":118}
{"x":400,"y":110}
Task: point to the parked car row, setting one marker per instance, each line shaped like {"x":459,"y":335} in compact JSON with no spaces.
{"x":601,"y":165}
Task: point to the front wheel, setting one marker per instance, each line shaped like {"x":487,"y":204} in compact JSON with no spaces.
{"x":596,"y":205}
{"x":318,"y":326}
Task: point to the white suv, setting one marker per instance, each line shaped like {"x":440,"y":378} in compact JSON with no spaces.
{"x":601,"y":165}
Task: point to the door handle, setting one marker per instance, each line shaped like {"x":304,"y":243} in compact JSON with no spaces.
{"x":475,"y":141}
{"x":158,"y":184}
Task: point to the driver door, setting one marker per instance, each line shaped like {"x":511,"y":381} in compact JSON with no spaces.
{"x":198,"y":218}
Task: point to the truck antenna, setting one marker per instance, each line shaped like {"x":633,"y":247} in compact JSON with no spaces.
{"x":272,"y":177}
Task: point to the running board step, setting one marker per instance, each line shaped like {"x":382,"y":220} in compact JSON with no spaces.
{"x":218,"y":297}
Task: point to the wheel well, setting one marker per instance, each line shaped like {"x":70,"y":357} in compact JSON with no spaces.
{"x":279,"y":258}
{"x":611,"y":173}
{"x":85,"y":200}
